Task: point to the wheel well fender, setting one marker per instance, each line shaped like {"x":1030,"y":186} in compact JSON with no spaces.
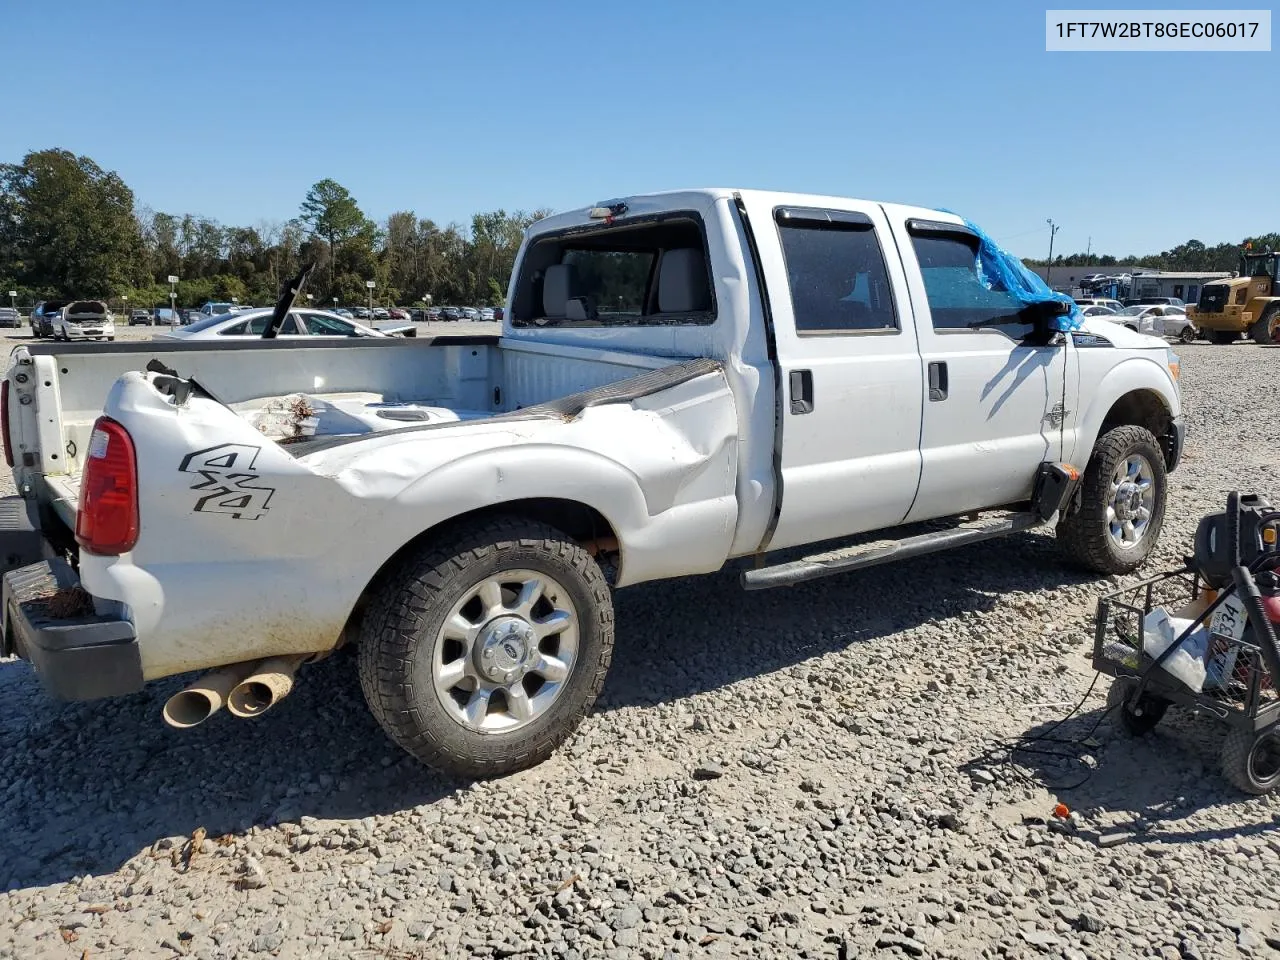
{"x":1129,"y":394}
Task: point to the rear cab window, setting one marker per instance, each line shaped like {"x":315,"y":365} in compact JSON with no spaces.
{"x":650,"y":271}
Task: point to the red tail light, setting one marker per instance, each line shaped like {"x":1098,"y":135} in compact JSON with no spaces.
{"x":107,"y":522}
{"x":4,"y":422}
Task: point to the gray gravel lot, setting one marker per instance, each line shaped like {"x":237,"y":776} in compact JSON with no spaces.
{"x":803,"y":772}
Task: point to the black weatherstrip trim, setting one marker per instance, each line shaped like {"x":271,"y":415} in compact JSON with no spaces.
{"x":47,"y":349}
{"x":939,"y":228}
{"x":771,"y":345}
{"x":566,"y":408}
{"x":821,"y":217}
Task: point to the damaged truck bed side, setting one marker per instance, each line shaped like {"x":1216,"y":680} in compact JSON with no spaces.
{"x":682,"y":379}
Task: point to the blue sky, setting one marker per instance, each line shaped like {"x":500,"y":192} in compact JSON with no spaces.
{"x":233,"y":109}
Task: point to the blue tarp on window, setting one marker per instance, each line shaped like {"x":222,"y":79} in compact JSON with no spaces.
{"x":1000,"y":270}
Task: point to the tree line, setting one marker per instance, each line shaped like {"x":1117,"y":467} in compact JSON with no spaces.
{"x":69,"y":228}
{"x":1190,"y":256}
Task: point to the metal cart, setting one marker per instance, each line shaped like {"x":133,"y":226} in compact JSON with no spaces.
{"x":1242,"y":662}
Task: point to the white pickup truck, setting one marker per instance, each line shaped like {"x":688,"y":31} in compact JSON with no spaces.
{"x":682,"y":378}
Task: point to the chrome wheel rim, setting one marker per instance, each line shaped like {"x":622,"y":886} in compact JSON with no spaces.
{"x":505,"y":651}
{"x":1133,"y":499}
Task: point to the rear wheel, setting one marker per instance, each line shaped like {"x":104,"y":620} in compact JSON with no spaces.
{"x":1224,"y":336}
{"x":1251,"y":761}
{"x":1135,"y":719}
{"x":1122,"y":499}
{"x":482,"y":652}
{"x":1188,"y":334}
{"x":1267,"y":327}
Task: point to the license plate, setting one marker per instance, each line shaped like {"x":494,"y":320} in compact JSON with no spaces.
{"x":1229,"y":620}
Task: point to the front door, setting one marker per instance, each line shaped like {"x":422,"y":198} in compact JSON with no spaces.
{"x":995,"y":401}
{"x":850,"y":367}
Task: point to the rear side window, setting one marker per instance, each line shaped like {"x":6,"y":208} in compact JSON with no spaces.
{"x":958,"y":300}
{"x":837,"y":277}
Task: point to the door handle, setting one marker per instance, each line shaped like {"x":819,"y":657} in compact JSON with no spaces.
{"x":938,"y":380}
{"x":801,"y":391}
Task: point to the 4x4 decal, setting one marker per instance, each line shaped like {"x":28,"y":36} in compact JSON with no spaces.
{"x":227,"y":481}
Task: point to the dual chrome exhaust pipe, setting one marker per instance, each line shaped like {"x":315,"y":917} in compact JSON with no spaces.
{"x":246,"y":689}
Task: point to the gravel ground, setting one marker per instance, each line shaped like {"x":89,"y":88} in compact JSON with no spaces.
{"x":810,"y":772}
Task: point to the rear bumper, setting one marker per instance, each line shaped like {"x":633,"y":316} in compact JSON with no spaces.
{"x":84,"y":657}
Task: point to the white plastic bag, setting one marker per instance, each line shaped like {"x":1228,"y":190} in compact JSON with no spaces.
{"x":1186,"y":663}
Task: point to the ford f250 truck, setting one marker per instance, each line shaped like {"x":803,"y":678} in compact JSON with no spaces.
{"x":682,"y":379}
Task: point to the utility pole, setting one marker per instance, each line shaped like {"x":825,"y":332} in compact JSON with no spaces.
{"x":1048,"y":270}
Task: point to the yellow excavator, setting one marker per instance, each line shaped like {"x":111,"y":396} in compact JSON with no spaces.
{"x":1247,"y":304}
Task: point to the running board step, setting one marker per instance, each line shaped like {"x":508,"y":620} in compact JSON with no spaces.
{"x":886,"y":551}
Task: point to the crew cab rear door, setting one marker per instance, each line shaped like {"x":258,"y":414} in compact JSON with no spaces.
{"x":851,"y":375}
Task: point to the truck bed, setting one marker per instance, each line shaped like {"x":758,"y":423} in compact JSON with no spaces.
{"x":296,"y":392}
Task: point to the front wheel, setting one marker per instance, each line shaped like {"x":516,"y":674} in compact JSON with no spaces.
{"x":1251,"y":761}
{"x":482,"y":652}
{"x":1266,"y":329}
{"x":1122,"y":500}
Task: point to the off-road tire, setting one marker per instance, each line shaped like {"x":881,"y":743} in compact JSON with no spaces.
{"x":1260,"y":333}
{"x":1083,"y":535}
{"x":402,"y":622}
{"x":1128,"y":721}
{"x":1224,"y":336}
{"x":1244,"y":752}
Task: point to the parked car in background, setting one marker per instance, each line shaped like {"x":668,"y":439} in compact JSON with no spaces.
{"x":450,"y":313}
{"x":214,"y":308}
{"x":166,"y":317}
{"x":1171,"y":320}
{"x":1115,"y":305}
{"x":398,"y":313}
{"x":42,"y":317}
{"x":360,"y":313}
{"x":10,"y":317}
{"x":1097,"y":311}
{"x":486,"y":313}
{"x":84,"y":320}
{"x":342,"y":312}
{"x":498,"y":313}
{"x":1152,"y":301}
{"x":381,"y":313}
{"x":139,"y":317}
{"x":470,"y":313}
{"x":309,"y":324}
{"x":1151,"y":319}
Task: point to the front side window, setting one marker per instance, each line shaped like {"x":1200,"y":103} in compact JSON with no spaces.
{"x":958,"y":299}
{"x":837,"y":277}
